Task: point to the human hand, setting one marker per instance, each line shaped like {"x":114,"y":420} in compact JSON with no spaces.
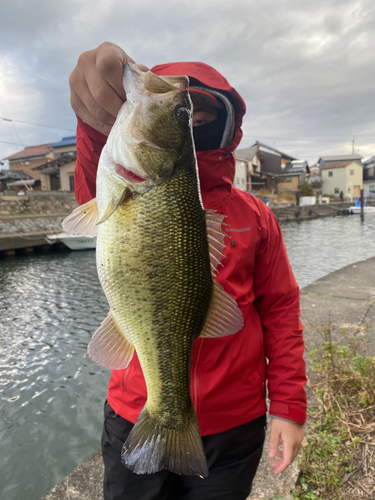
{"x":97,"y":92}
{"x":290,"y":435}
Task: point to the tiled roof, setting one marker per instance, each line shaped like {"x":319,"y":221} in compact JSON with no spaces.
{"x":337,"y":158}
{"x":284,"y":155}
{"x":246,"y":154}
{"x":370,"y":160}
{"x":66,"y":141}
{"x":30,"y":151}
{"x":57,"y":163}
{"x":338,"y":165}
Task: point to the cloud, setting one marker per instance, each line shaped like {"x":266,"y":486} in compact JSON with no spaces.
{"x":304,"y":69}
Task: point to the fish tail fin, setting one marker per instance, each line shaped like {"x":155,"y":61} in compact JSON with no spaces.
{"x":150,"y":447}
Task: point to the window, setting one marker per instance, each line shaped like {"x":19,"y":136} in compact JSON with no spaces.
{"x":330,"y":174}
{"x":337,"y":190}
{"x":71,"y":182}
{"x":349,"y":190}
{"x":351,"y":172}
{"x":26,"y":163}
{"x":372,"y":188}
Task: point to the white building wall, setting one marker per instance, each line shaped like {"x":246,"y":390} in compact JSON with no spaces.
{"x":240,"y":177}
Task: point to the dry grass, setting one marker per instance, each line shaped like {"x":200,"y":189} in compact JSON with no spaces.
{"x":339,"y":459}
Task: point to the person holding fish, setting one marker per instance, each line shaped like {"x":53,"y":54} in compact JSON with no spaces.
{"x":203,"y":318}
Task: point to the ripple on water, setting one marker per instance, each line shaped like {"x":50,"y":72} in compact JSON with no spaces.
{"x":50,"y":404}
{"x":51,"y":394}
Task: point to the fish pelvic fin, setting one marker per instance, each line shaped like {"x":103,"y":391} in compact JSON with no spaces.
{"x":150,"y":447}
{"x":109,"y":347}
{"x":83,"y":219}
{"x":113,"y":204}
{"x":224,"y":316}
{"x":216,"y":237}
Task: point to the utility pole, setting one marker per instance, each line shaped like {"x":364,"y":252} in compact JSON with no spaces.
{"x":353,"y":144}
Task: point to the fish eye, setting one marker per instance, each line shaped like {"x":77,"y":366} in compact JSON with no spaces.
{"x":183,"y":114}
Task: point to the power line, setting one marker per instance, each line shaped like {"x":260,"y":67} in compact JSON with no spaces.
{"x":17,"y":143}
{"x":36,"y":124}
{"x":35,"y":79}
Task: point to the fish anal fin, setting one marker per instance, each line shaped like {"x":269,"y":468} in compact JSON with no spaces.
{"x":216,"y":237}
{"x":224,"y":316}
{"x":109,"y":347}
{"x":83,"y":219}
{"x":113,"y":204}
{"x":151,"y":447}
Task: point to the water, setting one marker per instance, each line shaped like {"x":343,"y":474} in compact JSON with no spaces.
{"x":51,"y":394}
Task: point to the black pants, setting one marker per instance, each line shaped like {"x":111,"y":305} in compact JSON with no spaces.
{"x":233,"y":457}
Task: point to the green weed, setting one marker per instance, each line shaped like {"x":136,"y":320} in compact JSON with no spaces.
{"x":344,"y":387}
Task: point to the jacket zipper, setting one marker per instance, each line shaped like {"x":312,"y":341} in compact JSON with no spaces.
{"x":195,"y":385}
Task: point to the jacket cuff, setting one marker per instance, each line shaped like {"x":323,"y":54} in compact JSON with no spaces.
{"x":288,"y":412}
{"x":92,"y":133}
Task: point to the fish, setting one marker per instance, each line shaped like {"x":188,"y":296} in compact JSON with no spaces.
{"x":157,"y":254}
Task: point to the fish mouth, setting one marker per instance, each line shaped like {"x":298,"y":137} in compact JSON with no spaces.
{"x":128,"y":175}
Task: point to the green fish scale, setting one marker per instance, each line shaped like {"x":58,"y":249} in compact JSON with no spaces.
{"x":153,"y":263}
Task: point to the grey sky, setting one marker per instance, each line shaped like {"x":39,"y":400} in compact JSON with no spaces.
{"x":306,"y":70}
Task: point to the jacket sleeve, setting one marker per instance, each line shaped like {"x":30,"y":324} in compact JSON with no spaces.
{"x":89,"y":146}
{"x":277,"y":302}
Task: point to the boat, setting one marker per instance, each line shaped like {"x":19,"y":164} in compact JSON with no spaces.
{"x":356,"y":209}
{"x":72,"y":241}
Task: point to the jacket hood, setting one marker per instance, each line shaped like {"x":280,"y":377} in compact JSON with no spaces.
{"x":216,"y":167}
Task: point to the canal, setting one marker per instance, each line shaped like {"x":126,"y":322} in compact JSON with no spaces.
{"x":51,"y":394}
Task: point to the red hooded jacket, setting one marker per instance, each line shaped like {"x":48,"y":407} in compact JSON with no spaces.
{"x":229,"y":374}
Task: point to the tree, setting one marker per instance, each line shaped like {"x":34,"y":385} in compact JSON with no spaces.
{"x":305,"y":189}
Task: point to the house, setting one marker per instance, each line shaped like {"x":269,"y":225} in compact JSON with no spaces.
{"x":15,"y":180}
{"x":345,"y":176}
{"x":369,"y":177}
{"x":58,"y":174}
{"x":29,"y":158}
{"x":259,"y":166}
{"x":328,"y":160}
{"x":294,"y":173}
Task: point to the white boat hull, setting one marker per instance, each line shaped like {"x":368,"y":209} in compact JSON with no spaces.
{"x":366,"y":210}
{"x":73,"y":242}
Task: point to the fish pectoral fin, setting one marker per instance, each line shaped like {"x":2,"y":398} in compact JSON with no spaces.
{"x":224,"y":316}
{"x":83,"y":219}
{"x":109,"y":347}
{"x":113,"y":204}
{"x":216,"y":237}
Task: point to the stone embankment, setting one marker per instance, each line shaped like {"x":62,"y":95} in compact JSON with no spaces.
{"x":293,"y":212}
{"x":25,"y":220}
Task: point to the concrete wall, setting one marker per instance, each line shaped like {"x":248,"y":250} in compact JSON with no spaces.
{"x":354,"y":181}
{"x":342,"y":180}
{"x":66,"y":171}
{"x":240,"y":178}
{"x":291,"y":185}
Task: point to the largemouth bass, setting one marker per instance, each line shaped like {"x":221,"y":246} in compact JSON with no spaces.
{"x":157,"y":254}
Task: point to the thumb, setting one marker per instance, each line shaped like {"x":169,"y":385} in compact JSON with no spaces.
{"x":274,"y":442}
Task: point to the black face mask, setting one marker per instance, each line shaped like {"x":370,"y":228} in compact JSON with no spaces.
{"x":209,"y":135}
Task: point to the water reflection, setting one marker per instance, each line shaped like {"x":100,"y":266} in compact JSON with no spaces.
{"x":320,"y":246}
{"x":51,"y":394}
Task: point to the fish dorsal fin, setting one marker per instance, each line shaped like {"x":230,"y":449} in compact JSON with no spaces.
{"x":216,"y":237}
{"x":224,"y":316}
{"x":83,"y":219}
{"x":109,"y":347}
{"x":113,"y":204}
